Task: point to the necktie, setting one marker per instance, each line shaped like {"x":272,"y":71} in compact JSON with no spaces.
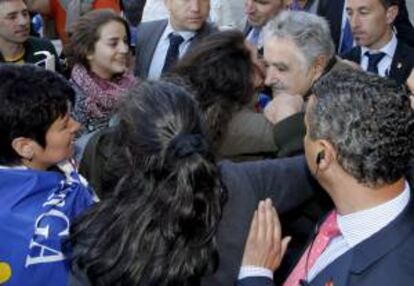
{"x":172,"y":52}
{"x":373,"y":61}
{"x":347,"y":38}
{"x":328,"y":230}
{"x":254,"y":37}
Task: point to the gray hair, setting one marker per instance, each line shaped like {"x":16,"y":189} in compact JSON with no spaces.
{"x":368,"y":120}
{"x":309,"y":32}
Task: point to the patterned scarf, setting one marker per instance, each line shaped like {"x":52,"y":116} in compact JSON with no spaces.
{"x":102,"y":96}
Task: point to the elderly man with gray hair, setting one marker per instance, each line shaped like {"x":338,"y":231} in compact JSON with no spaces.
{"x":298,"y":49}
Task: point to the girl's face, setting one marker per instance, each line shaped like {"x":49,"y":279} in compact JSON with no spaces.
{"x":110,"y":55}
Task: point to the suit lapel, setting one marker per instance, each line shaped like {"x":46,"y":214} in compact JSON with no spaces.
{"x":353,"y":55}
{"x":366,"y":253}
{"x":374,"y":248}
{"x":247,"y":29}
{"x":203,"y":32}
{"x":153,"y":38}
{"x":400,"y":68}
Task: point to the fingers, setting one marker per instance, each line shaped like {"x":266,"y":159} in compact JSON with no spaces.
{"x":264,"y":246}
{"x":285,"y":244}
{"x":253,"y":227}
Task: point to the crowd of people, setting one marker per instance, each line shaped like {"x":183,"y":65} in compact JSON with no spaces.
{"x":189,"y":149}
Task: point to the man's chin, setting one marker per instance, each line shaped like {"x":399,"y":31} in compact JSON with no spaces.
{"x":277,"y":91}
{"x":20,"y":40}
{"x":254,"y":22}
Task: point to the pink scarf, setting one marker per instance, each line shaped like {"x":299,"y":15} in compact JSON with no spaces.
{"x":101,"y":96}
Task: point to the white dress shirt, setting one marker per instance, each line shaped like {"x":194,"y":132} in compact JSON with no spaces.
{"x":158,"y":59}
{"x":384,"y":65}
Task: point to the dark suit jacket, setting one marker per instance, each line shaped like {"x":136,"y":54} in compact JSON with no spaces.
{"x":332,"y":10}
{"x":386,"y":258}
{"x":255,"y":281}
{"x":402,"y":62}
{"x":247,"y":183}
{"x":149,"y":33}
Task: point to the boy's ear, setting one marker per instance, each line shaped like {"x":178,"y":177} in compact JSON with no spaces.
{"x":25,"y":147}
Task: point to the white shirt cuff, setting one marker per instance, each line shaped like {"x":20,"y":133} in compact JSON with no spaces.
{"x":254,"y":271}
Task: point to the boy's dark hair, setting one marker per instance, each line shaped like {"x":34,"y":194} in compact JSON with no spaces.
{"x":31,"y":99}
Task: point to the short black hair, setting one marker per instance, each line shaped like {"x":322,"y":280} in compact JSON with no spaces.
{"x":32,"y":98}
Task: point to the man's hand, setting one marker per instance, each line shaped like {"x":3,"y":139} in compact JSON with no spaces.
{"x":265,"y":246}
{"x":282,"y":106}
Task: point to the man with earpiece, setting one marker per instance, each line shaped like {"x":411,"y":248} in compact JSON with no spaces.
{"x":359,"y":146}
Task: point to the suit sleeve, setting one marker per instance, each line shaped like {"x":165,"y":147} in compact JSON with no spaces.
{"x":248,"y":132}
{"x":288,"y":135}
{"x":287,"y":182}
{"x":255,"y":281}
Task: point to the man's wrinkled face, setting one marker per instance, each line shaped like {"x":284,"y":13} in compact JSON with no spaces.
{"x":286,"y":70}
{"x":259,"y":12}
{"x":188,"y":15}
{"x":14,"y":22}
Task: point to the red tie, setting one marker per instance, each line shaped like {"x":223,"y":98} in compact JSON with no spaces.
{"x":328,"y":230}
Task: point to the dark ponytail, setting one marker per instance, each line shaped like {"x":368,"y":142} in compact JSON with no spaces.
{"x":159,"y":226}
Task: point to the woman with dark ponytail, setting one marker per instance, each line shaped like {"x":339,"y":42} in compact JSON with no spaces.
{"x":171,"y":215}
{"x":159,"y":226}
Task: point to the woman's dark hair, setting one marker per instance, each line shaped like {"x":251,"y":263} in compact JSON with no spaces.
{"x":159,"y":225}
{"x":220,"y":71}
{"x":32,"y":98}
{"x":84,"y":34}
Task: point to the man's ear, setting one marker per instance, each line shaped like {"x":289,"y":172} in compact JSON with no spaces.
{"x":329,"y":154}
{"x":318,"y":67}
{"x":24,"y":147}
{"x":392,"y":13}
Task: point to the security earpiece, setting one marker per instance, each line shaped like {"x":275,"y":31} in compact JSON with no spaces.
{"x":320,"y":156}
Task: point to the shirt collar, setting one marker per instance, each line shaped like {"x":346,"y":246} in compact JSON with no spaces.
{"x":187,"y":35}
{"x":388,"y":49}
{"x":358,"y":226}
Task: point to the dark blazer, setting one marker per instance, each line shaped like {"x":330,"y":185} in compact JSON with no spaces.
{"x":402,"y":62}
{"x":247,"y":183}
{"x":255,"y":281}
{"x":386,"y":258}
{"x":332,"y":10}
{"x":149,"y":34}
